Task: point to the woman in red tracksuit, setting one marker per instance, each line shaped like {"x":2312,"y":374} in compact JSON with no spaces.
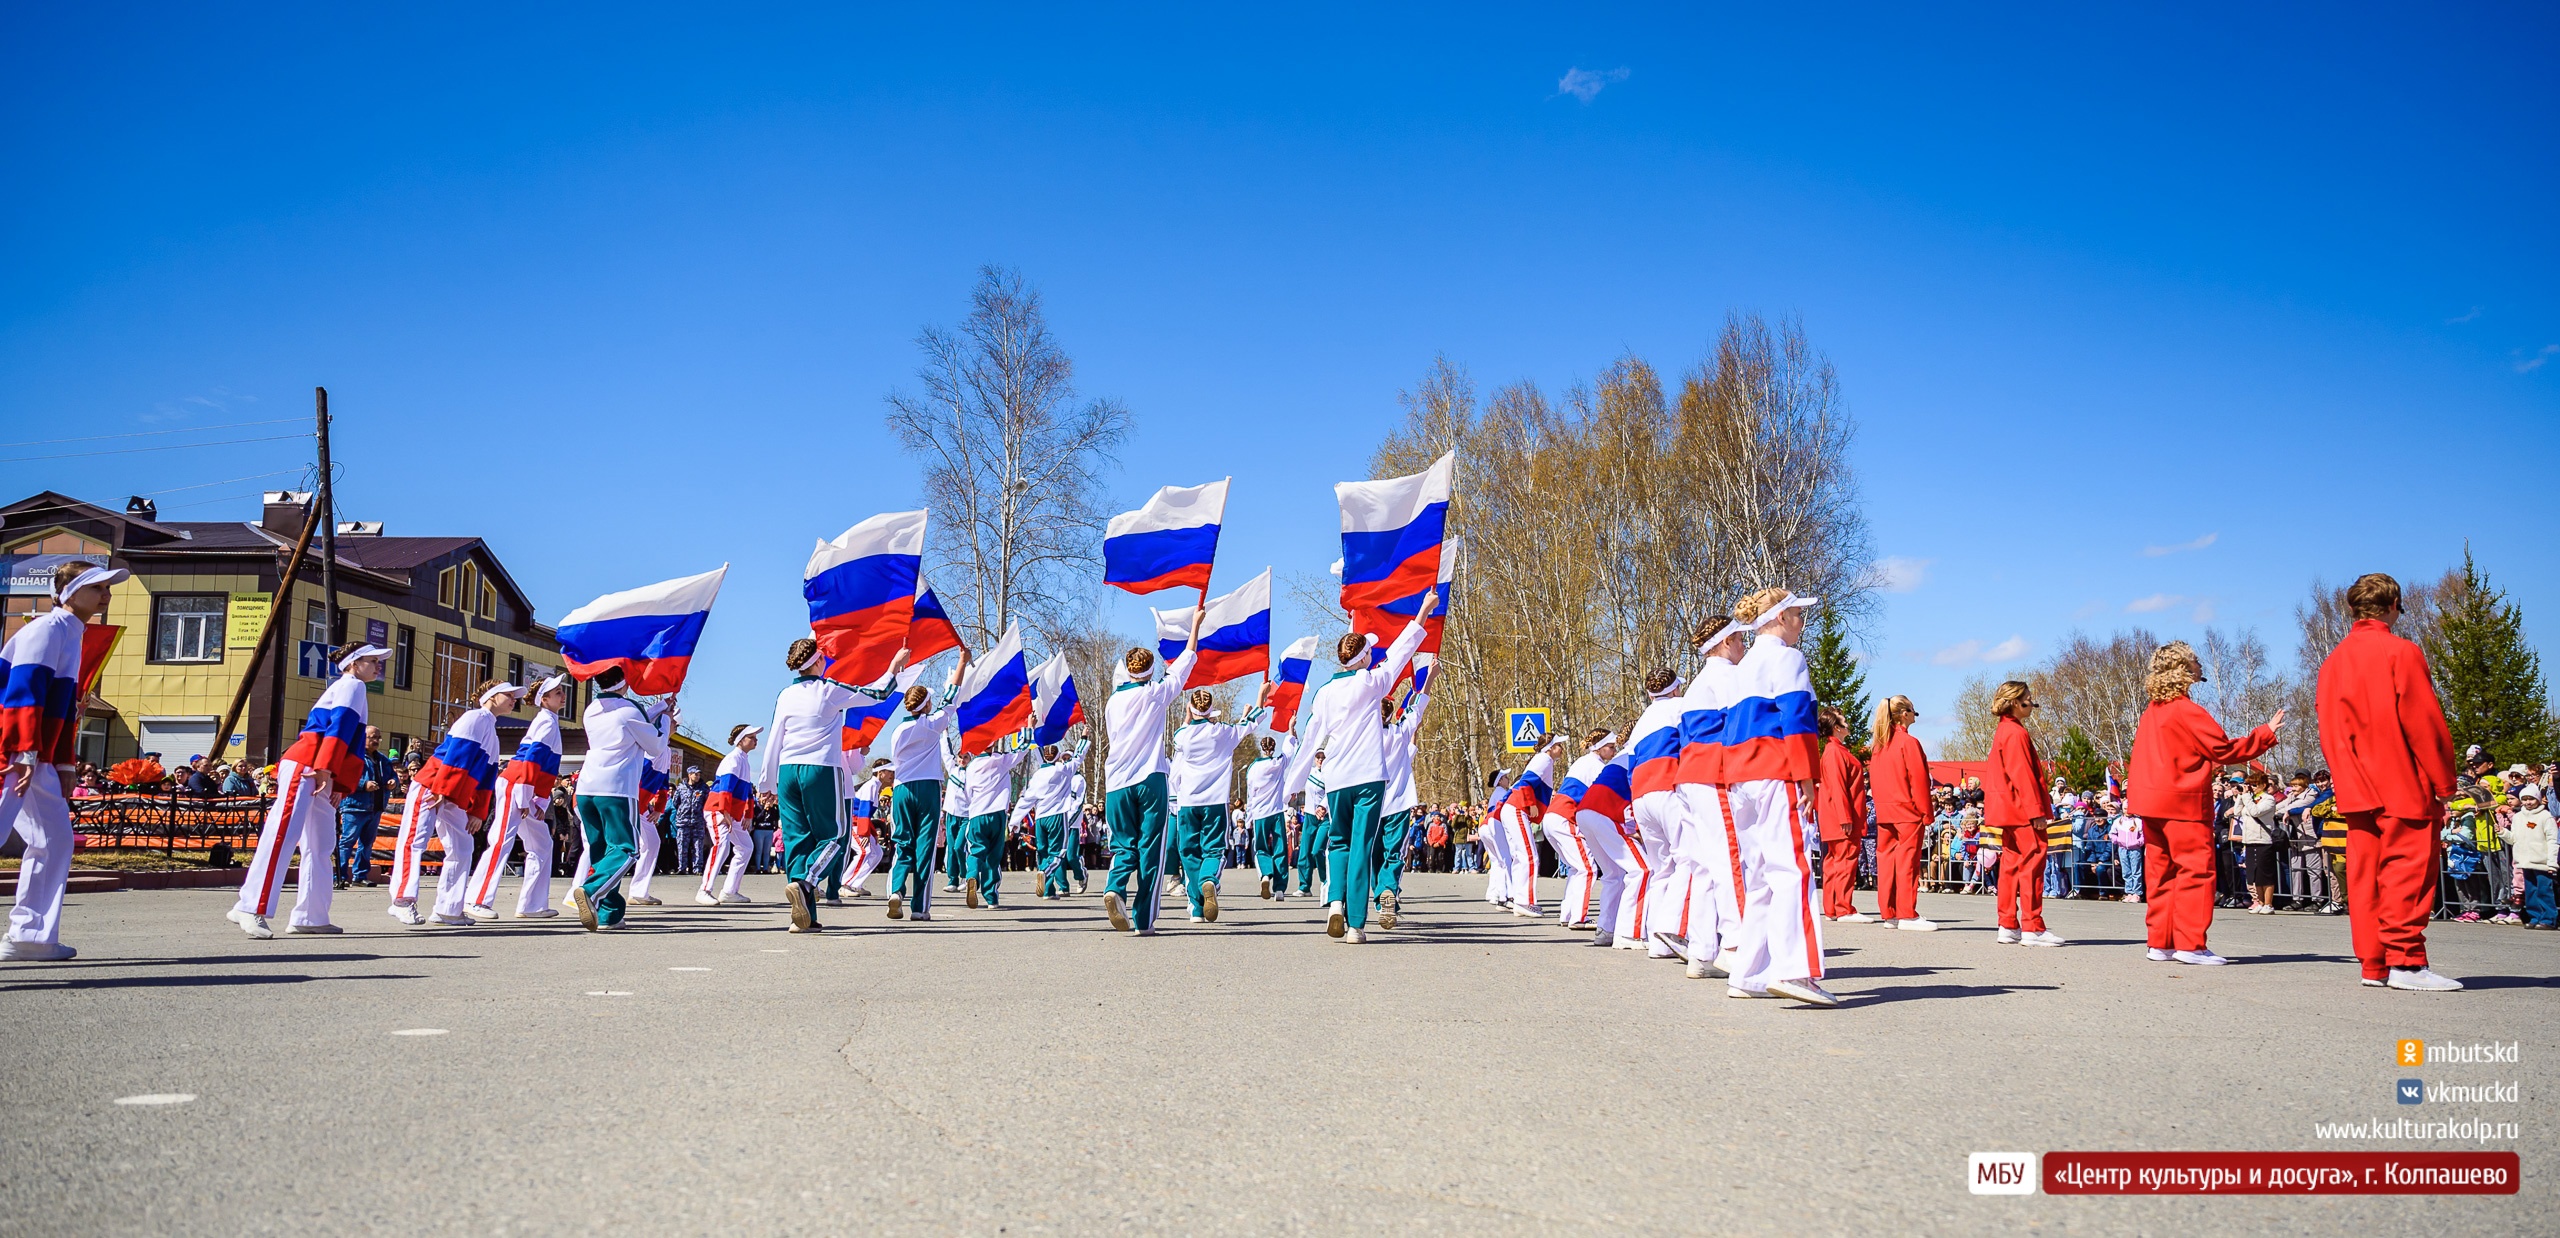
{"x":2014,"y":802}
{"x":1899,"y":780}
{"x":1840,"y":808}
{"x":2176,"y":749}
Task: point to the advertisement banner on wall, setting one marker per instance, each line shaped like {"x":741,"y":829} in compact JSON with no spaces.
{"x":248,"y":619}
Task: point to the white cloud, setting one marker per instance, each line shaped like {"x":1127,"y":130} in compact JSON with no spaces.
{"x":2154,"y":552}
{"x":1896,"y":574}
{"x":1966,"y":652}
{"x":2527,"y":364}
{"x":2156,"y":602}
{"x":1586,"y":84}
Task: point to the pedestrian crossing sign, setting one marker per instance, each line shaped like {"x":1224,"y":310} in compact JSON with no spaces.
{"x":1528,"y":730}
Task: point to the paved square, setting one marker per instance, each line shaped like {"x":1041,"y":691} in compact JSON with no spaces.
{"x":1026,"y":1071}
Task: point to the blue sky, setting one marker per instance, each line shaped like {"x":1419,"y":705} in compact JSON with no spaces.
{"x":622,"y":290}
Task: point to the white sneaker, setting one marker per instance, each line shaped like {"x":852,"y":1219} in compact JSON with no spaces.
{"x":539,"y":913}
{"x":1916,"y":926}
{"x":1734,"y":990}
{"x":707,"y":899}
{"x":2157,"y":955}
{"x":1809,"y":992}
{"x":478,"y":912}
{"x":407,"y":913}
{"x":2421,"y":980}
{"x":2200,"y":958}
{"x":2371,"y":983}
{"x":1668,"y":944}
{"x":35,"y":952}
{"x":1858,"y":917}
{"x":1195,"y":919}
{"x":2007,"y":937}
{"x":312,"y":930}
{"x":733,"y":900}
{"x":1111,"y":907}
{"x":442,"y":918}
{"x":252,"y":924}
{"x":1335,"y":924}
{"x":1356,"y":937}
{"x":646,"y":900}
{"x":2047,"y":938}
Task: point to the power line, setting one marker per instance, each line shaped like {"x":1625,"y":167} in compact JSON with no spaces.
{"x":95,"y":438}
{"x":228,"y":480}
{"x":127,"y":451}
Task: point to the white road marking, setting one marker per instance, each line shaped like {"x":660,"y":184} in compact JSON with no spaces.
{"x":420,"y":1031}
{"x":688,"y":969}
{"x":608,"y":992}
{"x":157,"y":1098}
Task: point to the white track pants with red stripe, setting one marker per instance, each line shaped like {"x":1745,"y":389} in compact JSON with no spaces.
{"x":1573,"y":856}
{"x":452,"y":827}
{"x":1608,"y":849}
{"x":42,"y":817}
{"x":519,"y":821}
{"x":1781,"y":939}
{"x":1497,"y":869}
{"x":1519,"y":860}
{"x":1714,"y":867}
{"x":644,"y":837}
{"x":865,"y":860}
{"x":1629,"y":927}
{"x":301,"y":818}
{"x":732,"y":843}
{"x":1666,"y":900}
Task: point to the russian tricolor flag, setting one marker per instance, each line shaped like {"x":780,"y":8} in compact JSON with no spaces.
{"x":864,"y":722}
{"x":1235,"y":640}
{"x":1295,"y":662}
{"x":861,"y":589}
{"x":731,"y":796}
{"x":1054,"y":703}
{"x":995,"y":698}
{"x":931,"y":631}
{"x":1167,"y":544}
{"x":1611,"y":793}
{"x":1391,"y":535}
{"x":649,"y":632}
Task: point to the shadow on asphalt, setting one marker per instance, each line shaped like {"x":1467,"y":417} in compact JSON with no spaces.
{"x":2511,"y":982}
{"x":186,"y":982}
{"x":1862,"y":973}
{"x":227,"y":959}
{"x":1925,"y":992}
{"x":2255,"y":959}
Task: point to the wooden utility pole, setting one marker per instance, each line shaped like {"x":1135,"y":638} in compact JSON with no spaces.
{"x":249,"y":679}
{"x":325,"y":502}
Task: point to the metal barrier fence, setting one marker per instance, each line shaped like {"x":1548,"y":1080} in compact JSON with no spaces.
{"x":168,"y":820}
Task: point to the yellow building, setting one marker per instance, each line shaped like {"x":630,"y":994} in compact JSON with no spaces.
{"x":199,"y":600}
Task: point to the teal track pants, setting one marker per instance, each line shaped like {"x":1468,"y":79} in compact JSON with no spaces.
{"x":1200,"y":848}
{"x":606,"y":821}
{"x":1271,"y":850}
{"x":1356,"y":829}
{"x":913,"y":809}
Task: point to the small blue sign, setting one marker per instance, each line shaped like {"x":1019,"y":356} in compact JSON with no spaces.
{"x":1528,"y":729}
{"x":314,"y":659}
{"x":2412,"y":1092}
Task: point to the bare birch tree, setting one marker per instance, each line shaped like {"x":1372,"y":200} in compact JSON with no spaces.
{"x":1013,"y":466}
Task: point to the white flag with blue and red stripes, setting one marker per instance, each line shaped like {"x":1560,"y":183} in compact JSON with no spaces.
{"x":1167,"y":544}
{"x":1392,"y":531}
{"x":1295,"y":661}
{"x":1235,"y":640}
{"x":650,"y":632}
{"x":861,"y":590}
{"x":1055,"y":706}
{"x":995,"y":696}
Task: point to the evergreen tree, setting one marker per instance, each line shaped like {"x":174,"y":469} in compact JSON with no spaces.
{"x":1837,"y":679}
{"x":2079,"y":763}
{"x":2489,"y":677}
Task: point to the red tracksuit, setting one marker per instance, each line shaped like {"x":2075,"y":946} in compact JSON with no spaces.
{"x":2014,"y":802}
{"x":2176,"y":749}
{"x":2392,"y":758}
{"x":1900,"y":778}
{"x":1840,"y":808}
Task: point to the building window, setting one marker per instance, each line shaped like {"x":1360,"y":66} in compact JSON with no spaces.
{"x":61,"y":542}
{"x":444,"y":587}
{"x":20,"y":609}
{"x":399,"y":744}
{"x":187,"y":627}
{"x":515,"y":668}
{"x":488,"y":601}
{"x":459,"y":669}
{"x":404,"y":658}
{"x":315,"y":622}
{"x":466,"y":587}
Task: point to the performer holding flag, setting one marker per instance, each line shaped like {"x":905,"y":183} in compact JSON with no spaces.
{"x":640,"y":640}
{"x":1345,"y":721}
{"x":1133,"y":778}
{"x":40,"y":693}
{"x":524,"y":795}
{"x":729,"y":810}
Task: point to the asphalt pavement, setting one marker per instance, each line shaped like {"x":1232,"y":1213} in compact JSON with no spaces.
{"x":1028,"y":1071}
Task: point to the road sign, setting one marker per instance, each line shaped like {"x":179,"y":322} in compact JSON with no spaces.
{"x":313,"y":662}
{"x":1528,"y":729}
